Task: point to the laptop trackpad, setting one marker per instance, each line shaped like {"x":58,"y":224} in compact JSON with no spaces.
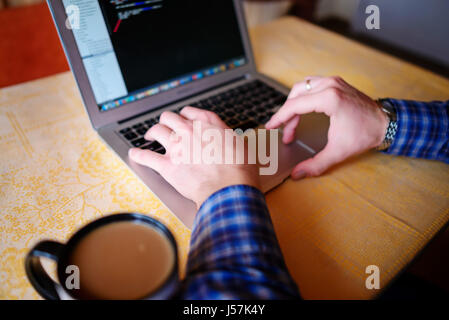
{"x":277,"y":159}
{"x":312,"y":130}
{"x":311,"y":137}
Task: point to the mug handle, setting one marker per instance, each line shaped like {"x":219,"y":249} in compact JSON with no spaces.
{"x":38,"y":277}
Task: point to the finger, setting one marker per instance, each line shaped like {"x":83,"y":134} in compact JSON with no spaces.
{"x":316,"y":102}
{"x":289,"y":131}
{"x":160,"y":133}
{"x":192,"y":113}
{"x":301,"y":87}
{"x":148,"y":158}
{"x":173,"y":121}
{"x":317,"y":84}
{"x":317,"y":165}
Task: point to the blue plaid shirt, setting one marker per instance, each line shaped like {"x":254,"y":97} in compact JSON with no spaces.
{"x":423,"y":130}
{"x":234,"y":253}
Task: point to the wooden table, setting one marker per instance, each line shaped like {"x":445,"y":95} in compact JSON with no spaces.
{"x":56,"y":174}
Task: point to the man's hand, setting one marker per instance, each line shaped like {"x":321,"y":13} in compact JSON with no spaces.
{"x":194,"y":181}
{"x":357,"y":124}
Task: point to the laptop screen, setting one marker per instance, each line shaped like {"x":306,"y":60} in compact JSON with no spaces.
{"x":135,"y":49}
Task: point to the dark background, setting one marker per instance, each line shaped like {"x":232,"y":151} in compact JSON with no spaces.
{"x":179,"y":38}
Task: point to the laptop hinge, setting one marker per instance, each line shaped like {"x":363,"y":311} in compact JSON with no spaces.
{"x":179,"y":100}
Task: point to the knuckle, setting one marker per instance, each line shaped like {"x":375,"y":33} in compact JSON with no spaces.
{"x":183,"y":110}
{"x":184,"y":126}
{"x":334,"y":93}
{"x":156,"y":127}
{"x":336,"y":81}
{"x":212,"y":115}
{"x":164,"y":115}
{"x":153,"y":130}
{"x":314,"y":172}
{"x":187,"y":109}
{"x":209,"y":116}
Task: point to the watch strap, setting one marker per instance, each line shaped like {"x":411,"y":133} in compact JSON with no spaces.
{"x":392,"y":128}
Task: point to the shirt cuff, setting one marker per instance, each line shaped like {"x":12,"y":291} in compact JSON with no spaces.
{"x":234,"y":253}
{"x":238,"y":209}
{"x":423,"y":129}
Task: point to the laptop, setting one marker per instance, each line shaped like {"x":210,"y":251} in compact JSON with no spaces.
{"x":132,"y":60}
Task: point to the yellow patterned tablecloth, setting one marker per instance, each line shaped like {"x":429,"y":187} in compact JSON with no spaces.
{"x":56,"y":174}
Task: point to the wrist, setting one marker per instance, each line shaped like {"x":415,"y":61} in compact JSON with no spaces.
{"x":389,"y":125}
{"x":232,"y":191}
{"x":383,"y":121}
{"x":210,"y":189}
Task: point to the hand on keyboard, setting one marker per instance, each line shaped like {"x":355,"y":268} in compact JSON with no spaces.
{"x":195,"y":179}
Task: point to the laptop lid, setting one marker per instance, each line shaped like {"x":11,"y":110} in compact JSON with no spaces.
{"x":129,"y":57}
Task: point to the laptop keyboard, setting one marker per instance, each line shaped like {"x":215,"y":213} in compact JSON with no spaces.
{"x":243,"y":107}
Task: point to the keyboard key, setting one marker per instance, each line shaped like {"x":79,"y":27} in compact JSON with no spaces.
{"x":259,"y":84}
{"x":274,"y":95}
{"x":142,"y":131}
{"x":251,"y":113}
{"x":260,"y":109}
{"x":245,"y":96}
{"x":223,"y":96}
{"x":161,"y":150}
{"x":156,"y":147}
{"x":242,"y":117}
{"x":205,"y":105}
{"x":214,"y":100}
{"x":153,"y":146}
{"x":247,"y":125}
{"x":232,"y":122}
{"x":263,"y":119}
{"x":126,"y":130}
{"x":136,"y":126}
{"x":233,"y":92}
{"x":139,"y":142}
{"x":251,"y":85}
{"x":130,"y":136}
{"x":229,"y":114}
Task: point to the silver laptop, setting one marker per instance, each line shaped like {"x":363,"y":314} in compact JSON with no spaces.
{"x":132,"y":60}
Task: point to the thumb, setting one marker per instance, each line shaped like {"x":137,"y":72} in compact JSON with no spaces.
{"x":318,"y":164}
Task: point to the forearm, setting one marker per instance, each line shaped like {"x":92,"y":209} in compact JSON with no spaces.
{"x":234,"y":252}
{"x":423,"y":130}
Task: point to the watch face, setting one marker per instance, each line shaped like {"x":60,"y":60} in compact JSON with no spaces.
{"x":392,"y":128}
{"x":389,"y":109}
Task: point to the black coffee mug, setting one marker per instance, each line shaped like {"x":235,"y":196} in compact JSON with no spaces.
{"x":60,"y":253}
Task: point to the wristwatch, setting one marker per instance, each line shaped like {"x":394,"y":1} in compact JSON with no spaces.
{"x":392,"y":128}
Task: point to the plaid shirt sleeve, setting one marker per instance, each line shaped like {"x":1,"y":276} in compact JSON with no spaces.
{"x":234,"y":253}
{"x":423,"y":130}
